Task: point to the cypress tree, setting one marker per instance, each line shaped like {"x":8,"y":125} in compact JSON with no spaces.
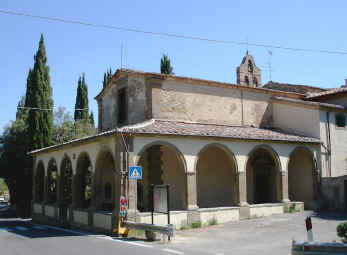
{"x":81,"y":100}
{"x":107,"y":77}
{"x":39,"y":95}
{"x":165,"y":65}
{"x":91,"y":119}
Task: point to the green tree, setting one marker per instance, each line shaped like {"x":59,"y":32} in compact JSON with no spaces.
{"x":81,"y":105}
{"x":63,"y":126}
{"x":165,"y":65}
{"x":107,"y":77}
{"x":15,"y":164}
{"x":39,"y":99}
{"x":91,"y":119}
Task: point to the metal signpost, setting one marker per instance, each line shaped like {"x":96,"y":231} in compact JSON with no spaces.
{"x":135,"y":173}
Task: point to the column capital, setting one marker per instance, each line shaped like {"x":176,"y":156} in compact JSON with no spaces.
{"x":284,"y":173}
{"x":190,"y":173}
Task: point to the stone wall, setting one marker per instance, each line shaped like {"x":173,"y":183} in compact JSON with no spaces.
{"x":333,"y":193}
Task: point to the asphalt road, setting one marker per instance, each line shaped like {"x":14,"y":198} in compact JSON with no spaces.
{"x":269,"y":235}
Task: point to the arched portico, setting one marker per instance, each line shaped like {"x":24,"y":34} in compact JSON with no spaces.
{"x":40,"y":182}
{"x":300,"y":176}
{"x":52,"y":181}
{"x":105,"y":188}
{"x":83,"y":181}
{"x":216,"y":177}
{"x":263,"y":173}
{"x":162,"y":163}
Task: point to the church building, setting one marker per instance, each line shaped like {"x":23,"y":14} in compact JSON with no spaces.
{"x":228,"y":151}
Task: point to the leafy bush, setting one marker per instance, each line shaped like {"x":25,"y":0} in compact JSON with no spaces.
{"x":212,"y":222}
{"x":196,"y":224}
{"x":342,"y":230}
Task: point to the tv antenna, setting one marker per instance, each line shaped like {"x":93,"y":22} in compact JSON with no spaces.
{"x":269,"y":64}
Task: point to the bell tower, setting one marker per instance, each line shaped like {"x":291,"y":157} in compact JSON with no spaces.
{"x":248,"y":74}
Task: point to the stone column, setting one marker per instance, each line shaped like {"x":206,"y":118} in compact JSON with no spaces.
{"x":45,"y":194}
{"x":244,"y":207}
{"x":285,"y":197}
{"x":92,"y":206}
{"x":192,"y":205}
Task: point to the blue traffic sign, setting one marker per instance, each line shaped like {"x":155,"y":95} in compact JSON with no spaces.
{"x":135,"y":173}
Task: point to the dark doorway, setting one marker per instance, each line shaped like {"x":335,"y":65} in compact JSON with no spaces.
{"x":345,"y":194}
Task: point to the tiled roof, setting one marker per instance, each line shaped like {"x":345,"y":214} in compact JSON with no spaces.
{"x":299,"y":101}
{"x":181,"y":128}
{"x":296,"y":88}
{"x":328,"y":92}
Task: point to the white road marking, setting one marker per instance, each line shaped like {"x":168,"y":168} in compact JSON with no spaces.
{"x":133,"y":243}
{"x":173,"y":251}
{"x":21,"y":228}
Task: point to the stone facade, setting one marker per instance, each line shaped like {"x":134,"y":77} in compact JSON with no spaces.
{"x":228,"y":152}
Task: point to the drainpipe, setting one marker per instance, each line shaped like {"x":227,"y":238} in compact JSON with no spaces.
{"x":242,"y":119}
{"x":329,"y":143}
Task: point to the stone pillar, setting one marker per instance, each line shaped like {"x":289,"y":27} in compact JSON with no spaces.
{"x":73,"y":198}
{"x":45,"y":194}
{"x":192,"y":205}
{"x":244,"y":207}
{"x":285,"y":197}
{"x":92,"y":206}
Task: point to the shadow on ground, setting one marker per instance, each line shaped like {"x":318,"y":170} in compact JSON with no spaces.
{"x":329,"y":215}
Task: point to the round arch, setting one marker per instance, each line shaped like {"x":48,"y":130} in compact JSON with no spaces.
{"x":52,"y":181}
{"x":39,"y":182}
{"x":216,"y":177}
{"x":83,"y":181}
{"x":105,"y":181}
{"x":263,"y":173}
{"x":65,"y":185}
{"x":162,"y":163}
{"x":162,"y":143}
{"x":301,"y":181}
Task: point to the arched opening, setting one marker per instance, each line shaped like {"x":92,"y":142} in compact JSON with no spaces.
{"x":250,"y":66}
{"x":40,"y":182}
{"x":105,"y":182}
{"x":216,"y":178}
{"x":52,"y":181}
{"x":162,"y":164}
{"x":65,"y":188}
{"x":300,"y":177}
{"x":83,"y":181}
{"x":246,"y":80}
{"x":263,"y":176}
{"x":255,"y":82}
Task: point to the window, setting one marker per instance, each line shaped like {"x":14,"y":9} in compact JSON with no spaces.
{"x":108,"y":191}
{"x":340,"y":120}
{"x":255,"y":82}
{"x":122,"y":109}
{"x":250,"y":66}
{"x":246,"y":80}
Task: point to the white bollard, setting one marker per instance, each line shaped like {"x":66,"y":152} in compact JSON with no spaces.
{"x":309,"y":229}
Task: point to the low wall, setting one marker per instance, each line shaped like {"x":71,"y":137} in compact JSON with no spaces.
{"x":318,"y":248}
{"x":332,"y":193}
{"x":261,"y":210}
{"x":37,"y":208}
{"x":177,"y":218}
{"x":220,"y":214}
{"x":50,"y":211}
{"x":80,"y":217}
{"x":102,"y":220}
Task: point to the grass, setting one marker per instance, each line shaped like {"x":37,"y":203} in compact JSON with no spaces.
{"x":290,"y":209}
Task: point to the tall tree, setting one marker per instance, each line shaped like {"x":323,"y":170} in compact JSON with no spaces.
{"x":107,"y":77}
{"x":165,"y":65}
{"x":81,"y":106}
{"x":91,"y":119}
{"x":39,"y":99}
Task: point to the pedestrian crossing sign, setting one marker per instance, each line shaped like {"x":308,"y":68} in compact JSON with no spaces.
{"x":135,"y":173}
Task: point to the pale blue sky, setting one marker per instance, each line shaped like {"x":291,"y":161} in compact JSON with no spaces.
{"x":73,"y":49}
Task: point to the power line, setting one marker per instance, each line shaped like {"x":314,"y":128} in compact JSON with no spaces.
{"x":180,"y":36}
{"x":47,"y":109}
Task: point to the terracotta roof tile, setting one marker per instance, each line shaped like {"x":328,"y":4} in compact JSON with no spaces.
{"x":299,"y":101}
{"x":167,"y":127}
{"x":296,"y":88}
{"x":328,"y":92}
